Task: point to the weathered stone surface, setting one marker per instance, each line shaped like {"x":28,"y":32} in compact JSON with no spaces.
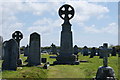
{"x":10,"y":50}
{"x":34,"y":57}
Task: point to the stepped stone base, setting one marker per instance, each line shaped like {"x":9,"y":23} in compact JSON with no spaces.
{"x":61,"y":59}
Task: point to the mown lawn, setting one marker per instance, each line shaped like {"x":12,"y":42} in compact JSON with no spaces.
{"x":84,"y":70}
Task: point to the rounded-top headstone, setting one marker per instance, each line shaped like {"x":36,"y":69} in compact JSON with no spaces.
{"x":66,"y":12}
{"x":34,"y":36}
{"x":34,"y":57}
{"x":105,"y":45}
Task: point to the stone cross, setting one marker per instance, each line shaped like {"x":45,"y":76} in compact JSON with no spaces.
{"x":17,"y":35}
{"x":66,"y":12}
{"x":105,"y":72}
{"x":105,"y":51}
{"x":66,"y":34}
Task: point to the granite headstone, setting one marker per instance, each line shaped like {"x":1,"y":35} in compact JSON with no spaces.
{"x":34,"y":57}
{"x":10,"y":50}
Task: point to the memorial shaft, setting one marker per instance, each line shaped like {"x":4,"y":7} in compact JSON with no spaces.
{"x":66,"y":39}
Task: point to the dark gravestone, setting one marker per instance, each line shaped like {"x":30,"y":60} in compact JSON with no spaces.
{"x":53,"y":49}
{"x":66,"y":12}
{"x":43,"y":60}
{"x":118,"y":52}
{"x":76,"y":50}
{"x":113,"y":53}
{"x":26,"y":51}
{"x":10,"y":50}
{"x":46,"y":65}
{"x":85,"y":51}
{"x":17,"y":35}
{"x":93,"y":52}
{"x":105,"y":72}
{"x":102,"y":53}
{"x":98,"y":52}
{"x":34,"y":57}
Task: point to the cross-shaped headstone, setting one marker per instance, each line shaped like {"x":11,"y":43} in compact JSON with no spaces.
{"x":105,"y":51}
{"x":66,"y":12}
{"x":17,"y":35}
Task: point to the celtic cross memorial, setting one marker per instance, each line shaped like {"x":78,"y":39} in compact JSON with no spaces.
{"x":66,"y":12}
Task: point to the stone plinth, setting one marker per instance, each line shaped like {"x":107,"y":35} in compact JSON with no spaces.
{"x":105,"y":73}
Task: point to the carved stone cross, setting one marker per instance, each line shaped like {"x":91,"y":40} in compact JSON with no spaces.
{"x":17,"y":35}
{"x":66,"y":12}
{"x":105,"y":51}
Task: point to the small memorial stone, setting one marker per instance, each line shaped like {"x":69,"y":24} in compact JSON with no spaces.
{"x":26,"y":51}
{"x":53,"y":49}
{"x":93,"y":52}
{"x":76,"y":50}
{"x":85,"y":51}
{"x":43,"y":60}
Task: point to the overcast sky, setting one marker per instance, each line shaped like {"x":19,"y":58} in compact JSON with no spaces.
{"x":93,"y":24}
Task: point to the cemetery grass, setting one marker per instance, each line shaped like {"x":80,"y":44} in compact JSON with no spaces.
{"x":84,"y":70}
